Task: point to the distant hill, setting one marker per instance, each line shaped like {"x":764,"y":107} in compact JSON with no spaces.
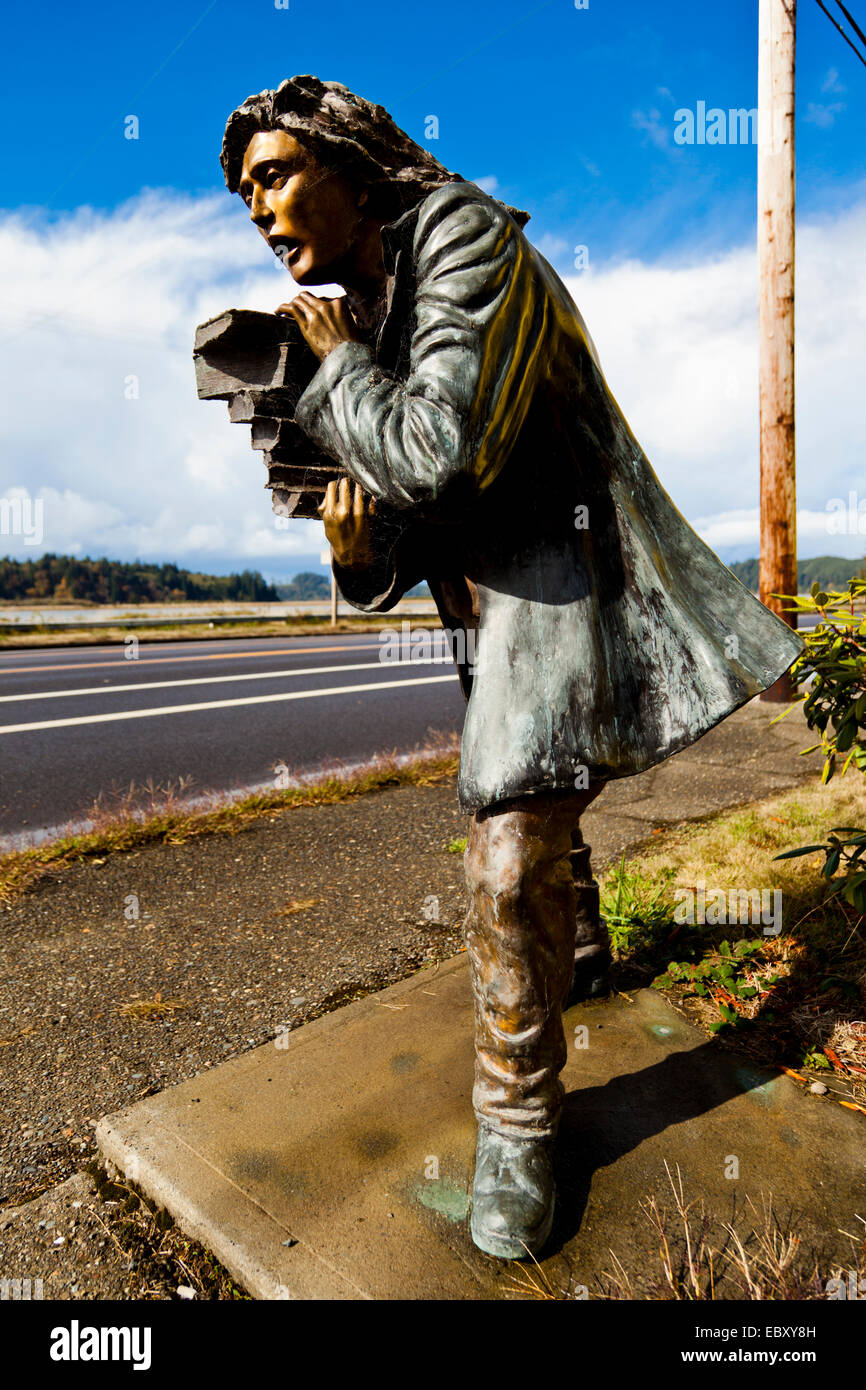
{"x":304,"y":586}
{"x":66,"y":578}
{"x":308,"y":585}
{"x":830,"y":571}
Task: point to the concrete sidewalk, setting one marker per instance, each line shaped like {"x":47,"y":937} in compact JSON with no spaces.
{"x":242,"y":935}
{"x":337,"y":1162}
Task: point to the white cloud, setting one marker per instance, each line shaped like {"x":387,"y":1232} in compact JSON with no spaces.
{"x":553,"y":248}
{"x":823,"y":116}
{"x":92,"y":299}
{"x":94,"y":302}
{"x":650,"y":122}
{"x":830,"y":532}
{"x":679,"y":348}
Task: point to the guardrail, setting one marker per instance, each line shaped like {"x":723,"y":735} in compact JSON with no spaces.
{"x":158,"y":615}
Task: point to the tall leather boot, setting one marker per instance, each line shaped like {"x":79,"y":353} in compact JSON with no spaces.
{"x":592,"y":954}
{"x":520,"y":941}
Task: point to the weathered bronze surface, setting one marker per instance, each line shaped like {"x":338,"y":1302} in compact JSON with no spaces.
{"x":460,"y":391}
{"x":261,"y":365}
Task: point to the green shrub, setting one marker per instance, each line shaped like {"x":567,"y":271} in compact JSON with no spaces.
{"x":833,"y":671}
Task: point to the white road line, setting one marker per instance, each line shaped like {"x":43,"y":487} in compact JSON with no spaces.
{"x":213,"y":680}
{"x":174,"y":659}
{"x":220,"y":704}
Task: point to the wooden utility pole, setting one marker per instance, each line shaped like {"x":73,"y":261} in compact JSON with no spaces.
{"x":327,"y":558}
{"x":776,"y":65}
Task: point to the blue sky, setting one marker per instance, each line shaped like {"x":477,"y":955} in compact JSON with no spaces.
{"x":111,"y":250}
{"x":571,"y":110}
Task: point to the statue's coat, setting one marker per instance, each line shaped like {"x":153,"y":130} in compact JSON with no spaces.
{"x":481,"y":422}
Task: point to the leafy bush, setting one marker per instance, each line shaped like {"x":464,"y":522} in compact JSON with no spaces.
{"x":833,"y":670}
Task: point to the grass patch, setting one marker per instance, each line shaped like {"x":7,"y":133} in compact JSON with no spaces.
{"x":165,"y":816}
{"x":796,"y":999}
{"x":13,"y":638}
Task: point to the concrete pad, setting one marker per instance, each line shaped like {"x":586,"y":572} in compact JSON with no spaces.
{"x":678,"y":791}
{"x":337,"y":1161}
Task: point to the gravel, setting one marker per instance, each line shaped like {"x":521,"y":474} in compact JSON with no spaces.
{"x":124,"y":977}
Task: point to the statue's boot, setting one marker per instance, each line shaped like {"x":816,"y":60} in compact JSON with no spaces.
{"x":513,"y":1195}
{"x":520,"y":942}
{"x":592,"y":956}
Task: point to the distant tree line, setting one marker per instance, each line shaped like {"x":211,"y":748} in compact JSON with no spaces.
{"x":305,"y":586}
{"x":830,"y":571}
{"x":66,"y":578}
{"x":309,"y":585}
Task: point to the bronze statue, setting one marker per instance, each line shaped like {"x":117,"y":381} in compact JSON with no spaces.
{"x":478,"y":447}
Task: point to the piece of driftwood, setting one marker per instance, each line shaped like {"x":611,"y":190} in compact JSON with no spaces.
{"x":260,"y":365}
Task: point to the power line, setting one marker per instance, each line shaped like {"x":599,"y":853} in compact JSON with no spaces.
{"x":852,"y":21}
{"x":837,"y":25}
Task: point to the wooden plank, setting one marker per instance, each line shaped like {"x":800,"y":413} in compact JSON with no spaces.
{"x":296,"y":503}
{"x":246,"y":406}
{"x":240,"y":350}
{"x":287,"y":442}
{"x":260,"y":364}
{"x":292,"y":475}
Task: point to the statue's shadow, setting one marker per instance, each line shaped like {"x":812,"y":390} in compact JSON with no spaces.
{"x":601,"y":1124}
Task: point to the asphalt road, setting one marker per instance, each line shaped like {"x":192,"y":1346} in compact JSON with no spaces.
{"x":83,"y":722}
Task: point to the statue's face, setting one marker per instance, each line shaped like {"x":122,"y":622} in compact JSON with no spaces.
{"x":307,"y":214}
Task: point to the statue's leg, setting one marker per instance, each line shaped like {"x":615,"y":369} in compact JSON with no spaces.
{"x":520,"y":933}
{"x":592,"y":957}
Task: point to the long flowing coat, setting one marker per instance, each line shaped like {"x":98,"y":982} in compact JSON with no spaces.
{"x":608,"y":634}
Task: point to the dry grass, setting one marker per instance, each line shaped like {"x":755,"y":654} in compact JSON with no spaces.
{"x":755,"y":1256}
{"x":13,"y":639}
{"x":296,"y":905}
{"x":150,"y":1008}
{"x":164,"y":815}
{"x":158,"y":1255}
{"x":809,"y":1002}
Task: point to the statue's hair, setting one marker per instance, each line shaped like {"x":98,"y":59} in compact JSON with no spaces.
{"x":344,"y":132}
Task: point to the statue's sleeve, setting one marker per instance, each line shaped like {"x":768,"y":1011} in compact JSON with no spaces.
{"x":398,"y":566}
{"x":431,"y":439}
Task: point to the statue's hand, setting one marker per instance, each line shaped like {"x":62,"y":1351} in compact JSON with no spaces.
{"x":325,"y":323}
{"x":347,"y":512}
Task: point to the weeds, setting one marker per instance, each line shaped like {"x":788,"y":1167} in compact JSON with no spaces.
{"x":158,"y":1255}
{"x":637,"y":909}
{"x":154,"y":815}
{"x":756,"y":1256}
{"x":797,"y":998}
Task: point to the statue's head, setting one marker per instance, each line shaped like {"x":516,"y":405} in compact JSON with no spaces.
{"x":317,"y":166}
{"x":315,"y":163}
